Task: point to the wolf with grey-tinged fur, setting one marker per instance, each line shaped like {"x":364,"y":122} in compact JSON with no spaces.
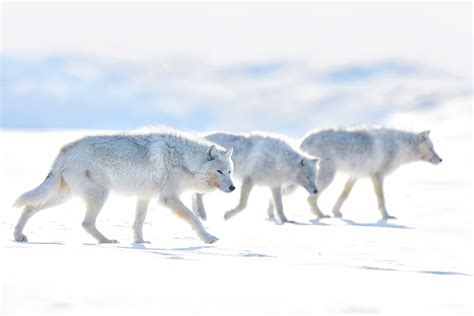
{"x":161,"y":163}
{"x":267,"y":160}
{"x":364,"y":152}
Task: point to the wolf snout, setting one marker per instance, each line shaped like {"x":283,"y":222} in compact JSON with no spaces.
{"x":231,"y":188}
{"x":436,"y":160}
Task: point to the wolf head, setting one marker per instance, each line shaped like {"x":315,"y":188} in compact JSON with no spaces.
{"x":218,"y":168}
{"x":306,"y":173}
{"x":425,"y":149}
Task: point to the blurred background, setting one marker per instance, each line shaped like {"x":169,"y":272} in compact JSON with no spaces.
{"x":280,"y":67}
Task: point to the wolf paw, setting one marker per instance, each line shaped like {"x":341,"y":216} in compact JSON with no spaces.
{"x":108,"y":241}
{"x":20,"y":237}
{"x":209,"y":239}
{"x":270,"y":218}
{"x":281,"y":221}
{"x":337,"y":214}
{"x":325,"y":216}
{"x":141,"y":241}
{"x":389,"y":217}
{"x":228,"y":215}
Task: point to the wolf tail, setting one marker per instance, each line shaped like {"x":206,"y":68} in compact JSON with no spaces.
{"x":49,"y":189}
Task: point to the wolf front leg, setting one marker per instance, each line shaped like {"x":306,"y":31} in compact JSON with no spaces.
{"x":198,"y":206}
{"x":270,"y":210}
{"x":289,"y":189}
{"x":95,"y":201}
{"x":247,"y":185}
{"x":178,"y":208}
{"x":277,"y":201}
{"x":325,"y":178}
{"x":336,"y":210}
{"x":140,"y":215}
{"x":313,"y":204}
{"x":377,"y":181}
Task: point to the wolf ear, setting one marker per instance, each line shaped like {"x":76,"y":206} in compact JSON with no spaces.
{"x":228,"y":152}
{"x":212,"y":153}
{"x":423,"y":135}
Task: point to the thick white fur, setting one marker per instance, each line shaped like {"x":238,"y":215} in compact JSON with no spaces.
{"x":267,"y":160}
{"x":364,"y":152}
{"x":161,"y":163}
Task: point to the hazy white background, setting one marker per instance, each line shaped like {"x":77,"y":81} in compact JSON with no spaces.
{"x":69,"y":70}
{"x":194,"y":66}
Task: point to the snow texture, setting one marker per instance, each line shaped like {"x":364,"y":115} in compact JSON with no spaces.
{"x":420,"y":264}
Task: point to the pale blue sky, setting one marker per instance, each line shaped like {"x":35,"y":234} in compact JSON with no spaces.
{"x":282,"y":67}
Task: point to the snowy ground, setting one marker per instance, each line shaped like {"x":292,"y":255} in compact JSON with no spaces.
{"x":420,"y":264}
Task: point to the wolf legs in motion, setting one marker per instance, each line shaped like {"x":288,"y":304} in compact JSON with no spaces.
{"x":377,"y":181}
{"x":247,"y":185}
{"x":271,"y":204}
{"x":324,"y":179}
{"x":29,"y":211}
{"x":327,"y":171}
{"x":178,"y":208}
{"x":277,"y":201}
{"x":198,"y":206}
{"x":336,"y":210}
{"x":95,"y":201}
{"x":55,"y":191}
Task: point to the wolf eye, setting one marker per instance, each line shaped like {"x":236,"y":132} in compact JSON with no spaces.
{"x":220,"y":171}
{"x":229,"y":171}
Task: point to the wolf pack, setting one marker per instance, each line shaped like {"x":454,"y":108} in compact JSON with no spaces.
{"x":163,"y":163}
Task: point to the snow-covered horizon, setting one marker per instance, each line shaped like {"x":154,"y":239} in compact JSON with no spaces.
{"x":281,"y":67}
{"x":289,"y":97}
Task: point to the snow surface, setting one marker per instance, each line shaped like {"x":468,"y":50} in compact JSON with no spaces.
{"x":420,"y":264}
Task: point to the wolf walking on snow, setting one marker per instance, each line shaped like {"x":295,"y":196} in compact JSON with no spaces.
{"x":372,"y":152}
{"x":268,"y":160}
{"x":160,"y":163}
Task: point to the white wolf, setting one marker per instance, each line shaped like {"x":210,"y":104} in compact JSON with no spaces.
{"x":268,"y":160}
{"x":144,"y":164}
{"x":364,"y":152}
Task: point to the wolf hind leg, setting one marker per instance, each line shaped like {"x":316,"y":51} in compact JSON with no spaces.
{"x":30,"y":210}
{"x":336,"y":210}
{"x":247,"y":186}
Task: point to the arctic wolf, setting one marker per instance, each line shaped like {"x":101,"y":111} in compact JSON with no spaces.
{"x":161,"y":163}
{"x":371,"y":152}
{"x":262,"y":159}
